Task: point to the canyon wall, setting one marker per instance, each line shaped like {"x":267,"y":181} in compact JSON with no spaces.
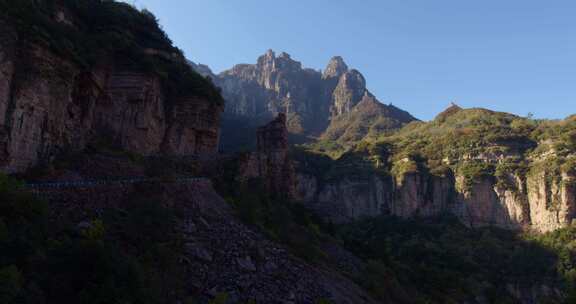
{"x":532,"y":202}
{"x":50,"y":105}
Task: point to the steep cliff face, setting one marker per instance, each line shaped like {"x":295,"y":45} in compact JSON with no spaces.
{"x":193,"y":127}
{"x":552,"y":200}
{"x":133,"y":111}
{"x":275,"y":84}
{"x":350,"y":89}
{"x":346,"y":199}
{"x":335,"y":68}
{"x":422,"y":195}
{"x":38,"y":112}
{"x":271,"y":161}
{"x":540,"y":207}
{"x":52,"y":103}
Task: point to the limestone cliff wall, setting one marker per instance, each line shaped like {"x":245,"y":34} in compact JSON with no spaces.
{"x":534,"y":202}
{"x":271,"y":161}
{"x":49,"y":105}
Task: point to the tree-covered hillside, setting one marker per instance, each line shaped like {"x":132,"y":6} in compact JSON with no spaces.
{"x":470,"y":141}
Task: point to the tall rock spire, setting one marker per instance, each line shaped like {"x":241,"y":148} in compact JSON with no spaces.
{"x":336,"y":67}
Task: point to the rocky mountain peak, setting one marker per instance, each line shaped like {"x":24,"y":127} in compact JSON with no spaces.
{"x":270,"y":54}
{"x":335,"y":68}
{"x":349,"y":91}
{"x":452,"y":109}
{"x":311,"y":99}
{"x":267,"y":59}
{"x":270,"y":62}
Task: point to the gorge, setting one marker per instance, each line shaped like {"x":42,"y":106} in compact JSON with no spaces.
{"x":133,"y":175}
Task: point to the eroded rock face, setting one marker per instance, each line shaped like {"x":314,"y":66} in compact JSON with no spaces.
{"x":133,"y":111}
{"x":336,"y":67}
{"x":353,"y":199}
{"x":193,"y":127}
{"x":273,"y":85}
{"x":256,"y":93}
{"x":422,"y":195}
{"x":271,"y":161}
{"x":349,"y":91}
{"x":49,"y":106}
{"x":535,"y":202}
{"x":38,"y":110}
{"x":552,"y":201}
{"x":483,"y":206}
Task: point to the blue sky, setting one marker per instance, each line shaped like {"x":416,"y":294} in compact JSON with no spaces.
{"x":517,"y":56}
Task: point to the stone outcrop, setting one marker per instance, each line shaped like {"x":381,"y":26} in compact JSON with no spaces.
{"x":193,"y":128}
{"x":336,"y":67}
{"x":271,"y":161}
{"x":49,"y":105}
{"x":349,"y":91}
{"x":273,"y":85}
{"x":133,"y":112}
{"x":534,"y":202}
{"x":552,"y":201}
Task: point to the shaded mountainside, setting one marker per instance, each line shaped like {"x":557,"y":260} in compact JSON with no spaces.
{"x":95,"y":91}
{"x":316,"y":103}
{"x":82,"y":72}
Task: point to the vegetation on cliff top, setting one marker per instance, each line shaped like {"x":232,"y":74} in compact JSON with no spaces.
{"x":90,"y":32}
{"x":473,"y":143}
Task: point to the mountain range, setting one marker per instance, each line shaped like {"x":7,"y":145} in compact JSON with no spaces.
{"x":333,"y":105}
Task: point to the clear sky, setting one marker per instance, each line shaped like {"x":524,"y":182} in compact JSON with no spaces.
{"x":517,"y":56}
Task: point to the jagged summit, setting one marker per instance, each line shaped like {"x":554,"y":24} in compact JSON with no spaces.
{"x":270,"y":53}
{"x":335,"y":68}
{"x":312,"y":100}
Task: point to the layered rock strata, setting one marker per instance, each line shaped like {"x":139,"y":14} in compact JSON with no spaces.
{"x":49,"y":106}
{"x":533,"y":202}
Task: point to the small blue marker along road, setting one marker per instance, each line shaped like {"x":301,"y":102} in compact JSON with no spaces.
{"x":104,"y":182}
